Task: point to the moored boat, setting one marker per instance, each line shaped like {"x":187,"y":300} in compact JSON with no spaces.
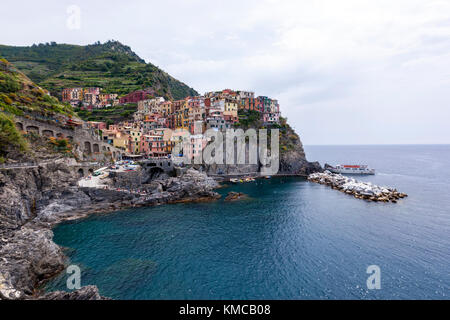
{"x":350,"y":169}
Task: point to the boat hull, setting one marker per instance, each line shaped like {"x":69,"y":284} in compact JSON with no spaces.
{"x":358,"y":173}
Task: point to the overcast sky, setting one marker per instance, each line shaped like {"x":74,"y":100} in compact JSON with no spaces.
{"x":344,"y":72}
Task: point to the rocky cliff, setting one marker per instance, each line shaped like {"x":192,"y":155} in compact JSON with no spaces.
{"x":33,"y":200}
{"x":28,"y":254}
{"x":292,"y":155}
{"x":292,"y":158}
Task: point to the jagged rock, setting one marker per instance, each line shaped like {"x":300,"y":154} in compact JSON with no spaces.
{"x":233,"y":196}
{"x":294,"y":162}
{"x":29,"y":257}
{"x":33,"y":200}
{"x":292,"y":159}
{"x":84,"y":293}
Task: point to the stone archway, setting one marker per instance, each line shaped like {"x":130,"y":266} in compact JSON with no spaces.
{"x":91,"y":171}
{"x":47,"y":133}
{"x":59,"y":135}
{"x":81,"y":172}
{"x":96,"y":147}
{"x":19,"y":126}
{"x":33,"y":129}
{"x":87,"y":147}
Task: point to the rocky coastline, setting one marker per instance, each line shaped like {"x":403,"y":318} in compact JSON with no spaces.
{"x":34,"y":200}
{"x":360,"y":190}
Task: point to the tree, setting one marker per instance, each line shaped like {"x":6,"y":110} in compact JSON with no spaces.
{"x":10,"y":137}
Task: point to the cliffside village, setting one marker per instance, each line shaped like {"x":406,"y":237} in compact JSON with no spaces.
{"x":153,"y":131}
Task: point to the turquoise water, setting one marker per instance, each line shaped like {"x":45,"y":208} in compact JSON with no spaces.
{"x":291,"y":240}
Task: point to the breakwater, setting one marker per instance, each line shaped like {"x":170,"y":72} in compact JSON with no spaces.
{"x":360,"y":190}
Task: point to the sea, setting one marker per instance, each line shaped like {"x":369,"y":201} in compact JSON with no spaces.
{"x":290,"y":239}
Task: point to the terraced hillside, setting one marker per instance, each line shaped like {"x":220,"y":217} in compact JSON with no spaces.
{"x":19,"y":95}
{"x":111,"y":66}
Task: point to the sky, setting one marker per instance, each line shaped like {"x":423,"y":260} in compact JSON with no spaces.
{"x":344,"y":72}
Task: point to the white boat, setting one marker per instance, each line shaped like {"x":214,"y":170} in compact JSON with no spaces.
{"x":104,"y":176}
{"x":350,"y":169}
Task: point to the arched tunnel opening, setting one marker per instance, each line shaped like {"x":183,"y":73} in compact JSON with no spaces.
{"x":155,"y":173}
{"x":33,"y":129}
{"x":47,"y":133}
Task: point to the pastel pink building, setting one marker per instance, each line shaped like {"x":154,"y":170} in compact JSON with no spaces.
{"x":194,"y":147}
{"x":153,"y":145}
{"x":137,"y":96}
{"x":94,"y":91}
{"x":97,"y":125}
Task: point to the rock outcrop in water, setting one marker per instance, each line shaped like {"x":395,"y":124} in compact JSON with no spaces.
{"x":360,"y":190}
{"x":85,"y":293}
{"x":233,"y":196}
{"x":33,"y":200}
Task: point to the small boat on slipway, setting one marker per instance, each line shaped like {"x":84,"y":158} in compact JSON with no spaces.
{"x":350,"y":169}
{"x":246,"y":179}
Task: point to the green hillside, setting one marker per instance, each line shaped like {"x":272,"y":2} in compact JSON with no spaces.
{"x":111,"y":66}
{"x":19,"y":95}
{"x":110,"y":115}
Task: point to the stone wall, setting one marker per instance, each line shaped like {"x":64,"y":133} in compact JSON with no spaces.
{"x":89,"y":144}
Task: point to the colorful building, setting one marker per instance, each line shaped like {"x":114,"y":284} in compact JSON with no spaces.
{"x":72,"y":95}
{"x":136,"y":96}
{"x":230,"y":112}
{"x":194,"y":146}
{"x":134,"y":141}
{"x":121,"y":140}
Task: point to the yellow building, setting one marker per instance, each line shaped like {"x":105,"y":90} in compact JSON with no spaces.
{"x":121,"y":141}
{"x":135,"y":144}
{"x":166,"y":108}
{"x":184,"y":116}
{"x":231,"y":108}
